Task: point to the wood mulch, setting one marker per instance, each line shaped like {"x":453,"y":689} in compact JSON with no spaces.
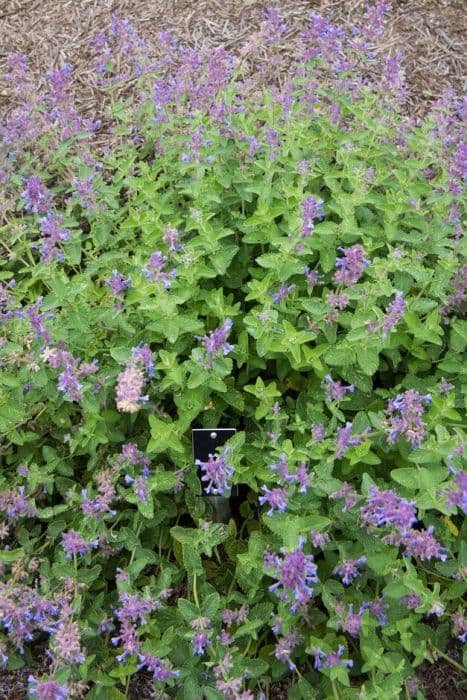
{"x":431,"y":33}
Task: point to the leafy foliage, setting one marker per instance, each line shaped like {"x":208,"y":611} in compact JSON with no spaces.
{"x":280,"y":256}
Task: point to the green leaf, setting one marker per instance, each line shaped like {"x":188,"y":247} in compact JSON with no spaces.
{"x":10,"y":555}
{"x":188,"y":609}
{"x":368,"y":360}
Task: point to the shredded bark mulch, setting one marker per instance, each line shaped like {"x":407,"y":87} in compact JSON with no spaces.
{"x":431,"y":33}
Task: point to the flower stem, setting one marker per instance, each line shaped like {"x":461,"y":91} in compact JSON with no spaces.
{"x":334,"y":690}
{"x":195,"y":591}
{"x":448,"y":658}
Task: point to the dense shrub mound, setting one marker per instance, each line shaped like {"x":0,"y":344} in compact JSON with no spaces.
{"x":275,"y":252}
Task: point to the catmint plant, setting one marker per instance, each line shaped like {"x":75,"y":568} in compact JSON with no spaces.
{"x":268,"y":241}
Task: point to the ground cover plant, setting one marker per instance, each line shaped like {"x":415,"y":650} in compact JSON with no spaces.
{"x":277,"y":253}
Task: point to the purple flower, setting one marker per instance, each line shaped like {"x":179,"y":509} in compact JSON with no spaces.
{"x":378,"y":608}
{"x":335,"y":390}
{"x":312,"y":276}
{"x":66,"y":642}
{"x":69,"y":384}
{"x":216,"y":472}
{"x":405,"y":412}
{"x":118,"y":284}
{"x":318,"y":432}
{"x":130,"y":383}
{"x":295,"y":573}
{"x":131,"y":454}
{"x":281,"y":293}
{"x":276,"y":498}
{"x":459,"y":626}
{"x":216,"y":341}
{"x":200,"y":642}
{"x":411,"y":601}
{"x":348,"y":570}
{"x":456,"y":301}
{"x":53,"y":234}
{"x":228,"y":616}
{"x":224,"y":638}
{"x":386,"y":508}
{"x":201,"y":638}
{"x":312,"y":209}
{"x":132,"y":609}
{"x":334,"y":658}
{"x":422,"y":544}
{"x":338,"y":300}
{"x":285,"y":646}
{"x":142,"y":353}
{"x":344,"y":439}
{"x":36,"y":320}
{"x":47,"y":690}
{"x":351,"y":266}
{"x":352,"y":622}
{"x":74,"y":543}
{"x":15,"y":505}
{"x":154,"y":270}
{"x":303,"y":478}
{"x":73,"y":371}
{"x":394,"y":312}
{"x":38,"y":198}
{"x":457,"y":494}
{"x":84,"y":193}
{"x":445,"y":387}
{"x":171,"y":237}
{"x":158,"y":667}
{"x":319,"y":539}
{"x":282,"y":469}
{"x":349,"y":494}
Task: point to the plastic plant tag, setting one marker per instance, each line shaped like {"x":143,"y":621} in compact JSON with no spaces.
{"x":205,"y":442}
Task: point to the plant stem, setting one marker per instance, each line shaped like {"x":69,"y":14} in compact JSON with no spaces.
{"x":195,"y":591}
{"x":334,"y":690}
{"x":138,"y":530}
{"x":448,"y":658}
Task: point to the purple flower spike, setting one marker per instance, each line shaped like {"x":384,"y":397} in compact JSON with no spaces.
{"x":405,"y":417}
{"x":349,"y":494}
{"x":276,"y":498}
{"x":422,"y":544}
{"x":344,"y":439}
{"x":312,"y":209}
{"x":348,"y":570}
{"x":217,"y":473}
{"x":351,"y":266}
{"x":37,"y":197}
{"x":154,"y":270}
{"x":128,"y":390}
{"x":335,"y":390}
{"x":74,"y":543}
{"x":118,"y":284}
{"x":142,"y":354}
{"x":47,"y":690}
{"x":158,"y":667}
{"x":282,"y":293}
{"x":394,"y":312}
{"x":386,"y":508}
{"x":216,"y":341}
{"x":295,"y":573}
{"x":334,"y":658}
{"x":53,"y":234}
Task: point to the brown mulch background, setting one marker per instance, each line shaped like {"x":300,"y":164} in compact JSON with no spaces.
{"x":431,"y":33}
